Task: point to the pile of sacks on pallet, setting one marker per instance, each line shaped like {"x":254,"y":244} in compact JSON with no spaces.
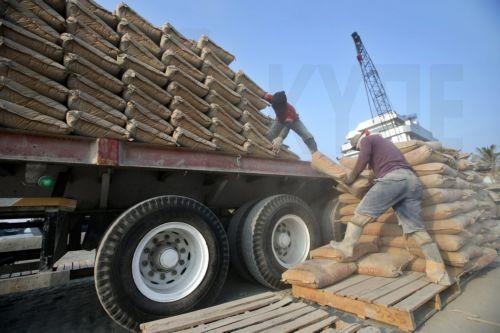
{"x":74,"y":67}
{"x":458,"y":213}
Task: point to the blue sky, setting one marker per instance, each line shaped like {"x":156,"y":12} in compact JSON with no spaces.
{"x":439,"y":59}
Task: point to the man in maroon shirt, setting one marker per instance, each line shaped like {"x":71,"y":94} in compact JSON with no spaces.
{"x":396,"y":186}
{"x":286,"y":119}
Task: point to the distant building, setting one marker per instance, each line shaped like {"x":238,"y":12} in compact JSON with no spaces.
{"x":391,"y":125}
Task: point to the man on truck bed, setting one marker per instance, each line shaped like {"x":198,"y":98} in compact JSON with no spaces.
{"x":286,"y":119}
{"x":396,"y":186}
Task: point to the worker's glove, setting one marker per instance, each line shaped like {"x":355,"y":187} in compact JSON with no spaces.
{"x":277,"y":144}
{"x":349,"y":179}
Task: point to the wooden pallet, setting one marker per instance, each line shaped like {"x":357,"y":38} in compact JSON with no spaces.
{"x":267,"y":312}
{"x":406,"y":301}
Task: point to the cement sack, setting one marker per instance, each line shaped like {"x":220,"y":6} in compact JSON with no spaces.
{"x":169,"y":29}
{"x":177,"y":89}
{"x":454,"y":225}
{"x":388,"y":217}
{"x":209,"y":69}
{"x":215,"y":98}
{"x":382,"y":229}
{"x":245,"y":105}
{"x":322,"y":163}
{"x":73,"y":44}
{"x":126,"y":27}
{"x":13,"y":11}
{"x":78,"y":100}
{"x":447,"y":210}
{"x":318,"y":273}
{"x":180,"y":119}
{"x":226,"y":145}
{"x":179,"y":103}
{"x":46,"y":13}
{"x":407,"y":146}
{"x":287,"y":154}
{"x":108,"y":17}
{"x":444,"y":242}
{"x":487,"y":257}
{"x":169,"y":42}
{"x":21,"y":95}
{"x":125,"y":12}
{"x":242,"y":78}
{"x":78,"y":10}
{"x":255,"y":100}
{"x":17,"y":116}
{"x":220,"y":128}
{"x":30,"y":40}
{"x":209,"y":55}
{"x":177,"y":75}
{"x":359,"y":188}
{"x":79,"y":65}
{"x":348,"y":209}
{"x":143,"y":115}
{"x":464,"y":165}
{"x":147,"y":86}
{"x":232,"y":96}
{"x":360,"y":249}
{"x":134,"y":94}
{"x":462,"y":257}
{"x":248,"y":117}
{"x":39,"y":83}
{"x":437,"y":181}
{"x":435,"y":168}
{"x":29,"y":58}
{"x":432,"y":196}
{"x":170,"y":58}
{"x":417,"y":265}
{"x":86,"y":124}
{"x":384,"y":264}
{"x":255,"y":149}
{"x":217,"y":112}
{"x":81,"y":30}
{"x":224,"y":55}
{"x":472,"y":176}
{"x":347,"y":199}
{"x":79,"y":82}
{"x":187,"y":139}
{"x":133,"y":48}
{"x":250,"y":132}
{"x":425,"y":154}
{"x":151,"y":73}
{"x":144,"y":133}
{"x":465,"y":185}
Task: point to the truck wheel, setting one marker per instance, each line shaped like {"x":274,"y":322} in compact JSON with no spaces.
{"x":278,"y":233}
{"x":164,"y":256}
{"x":331,"y":227}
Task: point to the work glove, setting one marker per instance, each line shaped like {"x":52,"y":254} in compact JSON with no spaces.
{"x":277,"y":144}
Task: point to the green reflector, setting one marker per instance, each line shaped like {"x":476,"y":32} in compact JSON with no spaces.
{"x":46,"y":181}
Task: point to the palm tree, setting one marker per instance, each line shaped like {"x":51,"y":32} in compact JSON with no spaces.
{"x":489,"y":158}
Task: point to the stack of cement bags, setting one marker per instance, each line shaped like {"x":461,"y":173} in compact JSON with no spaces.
{"x":73,"y":66}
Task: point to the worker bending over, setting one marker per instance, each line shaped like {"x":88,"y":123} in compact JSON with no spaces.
{"x":286,"y":119}
{"x":396,"y":186}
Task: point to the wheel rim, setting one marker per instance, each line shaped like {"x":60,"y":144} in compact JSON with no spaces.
{"x":170,"y":262}
{"x":290,"y":240}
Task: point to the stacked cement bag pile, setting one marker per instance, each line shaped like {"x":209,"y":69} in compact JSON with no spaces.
{"x":73,"y":66}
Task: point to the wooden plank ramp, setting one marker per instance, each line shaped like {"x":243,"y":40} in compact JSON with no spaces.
{"x":266,"y":312}
{"x":406,"y":301}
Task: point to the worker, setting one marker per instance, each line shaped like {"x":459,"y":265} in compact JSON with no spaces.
{"x":286,"y":119}
{"x":396,"y":186}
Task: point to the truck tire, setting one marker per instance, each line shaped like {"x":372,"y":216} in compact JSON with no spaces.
{"x":278,"y":233}
{"x":164,"y":256}
{"x":331,"y":227}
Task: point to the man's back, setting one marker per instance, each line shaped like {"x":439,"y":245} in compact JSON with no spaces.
{"x":382,"y":155}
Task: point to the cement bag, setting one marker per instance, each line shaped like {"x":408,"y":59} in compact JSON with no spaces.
{"x":384,"y":264}
{"x":435,"y":168}
{"x":242,"y":78}
{"x":360,"y":249}
{"x":88,"y":125}
{"x":209,"y":55}
{"x":220,"y":128}
{"x":147,"y":86}
{"x":487,"y":257}
{"x":180,"y":119}
{"x":255,"y":149}
{"x":72,"y":44}
{"x":168,"y":29}
{"x":215,"y":98}
{"x":143,"y":115}
{"x":129,"y":46}
{"x":144,"y":133}
{"x":318,"y":273}
{"x":465,"y":185}
{"x":226,"y":145}
{"x":81,"y":30}
{"x":79,"y":82}
{"x":79,"y":65}
{"x":169,"y":42}
{"x":33,"y":80}
{"x":388,"y":217}
{"x":179,"y":103}
{"x":382,"y":229}
{"x":255,"y":100}
{"x":408,"y":146}
{"x":78,"y":10}
{"x":322,"y":163}
{"x":129,"y":62}
{"x":464,"y":165}
{"x":78,"y":100}
{"x":17,"y":93}
{"x":27,"y":57}
{"x":416,"y":265}
{"x":248,"y":117}
{"x":433,"y":196}
{"x":125,"y":12}
{"x":187,"y":139}
{"x":359,"y":188}
{"x":426,"y":154}
{"x":447,"y":210}
{"x":245,"y":105}
{"x":472,"y":176}
{"x":105,"y":15}
{"x":444,"y":242}
{"x":437,"y":181}
{"x":217,"y":112}
{"x":454,"y":225}
{"x":125,"y":27}
{"x":20,"y":117}
{"x":462,"y":257}
{"x":224,"y":55}
{"x":212,"y":70}
{"x":171,"y":58}
{"x":45,"y":12}
{"x":250,"y":132}
{"x":175,"y":74}
{"x":30,"y":40}
{"x":232,"y":96}
{"x":178,"y":89}
{"x":347,"y":198}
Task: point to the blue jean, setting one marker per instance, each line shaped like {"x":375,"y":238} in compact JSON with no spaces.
{"x":401,"y":190}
